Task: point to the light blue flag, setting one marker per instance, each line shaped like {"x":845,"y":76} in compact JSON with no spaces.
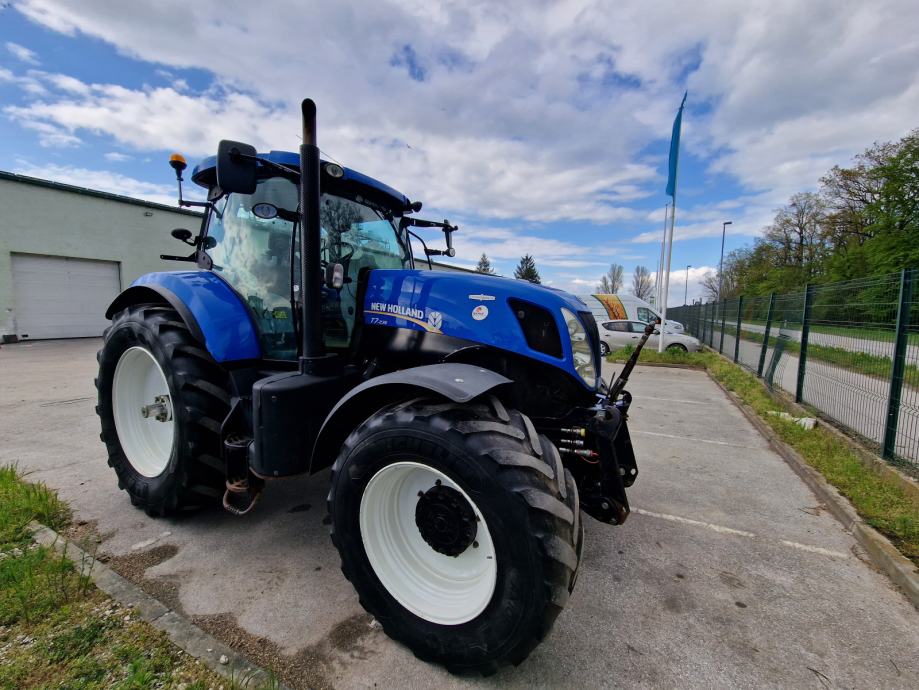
{"x":675,"y":149}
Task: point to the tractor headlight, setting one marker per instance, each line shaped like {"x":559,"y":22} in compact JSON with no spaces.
{"x":581,"y":349}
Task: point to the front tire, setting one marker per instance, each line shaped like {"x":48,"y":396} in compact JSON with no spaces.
{"x":459,"y":528}
{"x":677,"y":347}
{"x":161,"y":401}
{"x":604,"y":349}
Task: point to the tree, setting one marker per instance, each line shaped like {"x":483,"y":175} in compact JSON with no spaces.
{"x":484,"y":266}
{"x":642,"y":283}
{"x":709,"y":286}
{"x":611,"y":281}
{"x":863,"y":222}
{"x":526,"y":269}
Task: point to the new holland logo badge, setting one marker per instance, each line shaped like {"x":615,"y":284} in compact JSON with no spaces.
{"x":435,"y":319}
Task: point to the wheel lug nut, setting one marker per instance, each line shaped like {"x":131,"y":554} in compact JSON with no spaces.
{"x":475,"y":544}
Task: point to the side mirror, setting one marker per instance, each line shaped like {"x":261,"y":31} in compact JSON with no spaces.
{"x":182,"y":235}
{"x":448,"y":235}
{"x":236,"y":167}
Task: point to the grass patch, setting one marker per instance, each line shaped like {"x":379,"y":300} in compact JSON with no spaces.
{"x":57,"y":629}
{"x":880,"y":501}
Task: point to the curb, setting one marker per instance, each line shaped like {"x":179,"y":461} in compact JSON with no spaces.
{"x":180,"y":631}
{"x":867,"y":458}
{"x":885,"y":555}
{"x":660,"y":365}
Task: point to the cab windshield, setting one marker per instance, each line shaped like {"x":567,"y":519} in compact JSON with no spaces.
{"x":253,"y":253}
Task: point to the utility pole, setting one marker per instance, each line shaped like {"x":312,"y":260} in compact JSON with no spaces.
{"x":724,"y":226}
{"x":686,"y":287}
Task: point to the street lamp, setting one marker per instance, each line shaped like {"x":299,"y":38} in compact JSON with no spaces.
{"x":686,"y":288}
{"x":724,"y":226}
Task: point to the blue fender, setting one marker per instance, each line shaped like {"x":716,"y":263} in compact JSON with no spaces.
{"x":214,"y":313}
{"x":459,"y":383}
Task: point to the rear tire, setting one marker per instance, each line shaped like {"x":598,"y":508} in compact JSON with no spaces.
{"x":162,"y":472}
{"x":604,"y":349}
{"x":527,"y":515}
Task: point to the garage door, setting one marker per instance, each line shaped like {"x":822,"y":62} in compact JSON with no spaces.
{"x":60,"y":297}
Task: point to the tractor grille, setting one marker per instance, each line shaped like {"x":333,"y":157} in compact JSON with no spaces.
{"x":538,"y":327}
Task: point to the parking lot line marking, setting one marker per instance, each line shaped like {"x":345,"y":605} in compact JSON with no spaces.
{"x":721,"y":529}
{"x":679,"y":400}
{"x":698,"y":523}
{"x":814,"y":549}
{"x":693,"y":438}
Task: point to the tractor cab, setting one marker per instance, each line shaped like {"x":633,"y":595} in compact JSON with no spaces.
{"x":252,"y":243}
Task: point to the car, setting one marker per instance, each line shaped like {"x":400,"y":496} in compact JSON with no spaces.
{"x":626,"y":307}
{"x":620,"y":332}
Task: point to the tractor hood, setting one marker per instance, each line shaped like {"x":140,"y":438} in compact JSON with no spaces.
{"x":511,"y":315}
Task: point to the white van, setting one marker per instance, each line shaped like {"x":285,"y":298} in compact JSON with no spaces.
{"x":627,"y":308}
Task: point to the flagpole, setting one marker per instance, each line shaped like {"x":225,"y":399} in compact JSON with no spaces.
{"x":660,"y":260}
{"x":671,"y":189}
{"x":666,"y":288}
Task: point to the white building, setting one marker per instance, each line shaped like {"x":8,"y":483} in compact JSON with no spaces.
{"x":67,"y":251}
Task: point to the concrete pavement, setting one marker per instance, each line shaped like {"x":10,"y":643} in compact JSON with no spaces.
{"x":728,"y":573}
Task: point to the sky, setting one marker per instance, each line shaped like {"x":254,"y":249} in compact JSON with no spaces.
{"x":538,"y":127}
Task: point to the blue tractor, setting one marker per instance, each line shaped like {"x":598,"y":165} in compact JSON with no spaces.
{"x":463,"y":416}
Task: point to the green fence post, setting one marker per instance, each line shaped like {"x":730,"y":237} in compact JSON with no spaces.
{"x":762,"y":352}
{"x":713,"y":315}
{"x":709,"y":318}
{"x":737,"y":332}
{"x":805,"y":333}
{"x":705,"y":321}
{"x":899,"y":363}
{"x":724,"y":304}
{"x":700,"y":319}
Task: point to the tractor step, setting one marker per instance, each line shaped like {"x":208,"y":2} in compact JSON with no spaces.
{"x":243,"y":489}
{"x":242,"y":495}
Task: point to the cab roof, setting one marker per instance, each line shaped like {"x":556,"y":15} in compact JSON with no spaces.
{"x":205,"y":174}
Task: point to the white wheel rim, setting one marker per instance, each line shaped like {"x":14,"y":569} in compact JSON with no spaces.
{"x":146,"y":441}
{"x":438,"y":588}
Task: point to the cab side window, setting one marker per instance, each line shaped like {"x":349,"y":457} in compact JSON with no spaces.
{"x":646,"y":315}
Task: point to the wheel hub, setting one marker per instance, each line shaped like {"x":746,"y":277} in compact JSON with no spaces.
{"x":160,"y":410}
{"x":446,"y":520}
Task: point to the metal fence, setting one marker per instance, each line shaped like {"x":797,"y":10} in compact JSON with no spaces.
{"x":849,"y":349}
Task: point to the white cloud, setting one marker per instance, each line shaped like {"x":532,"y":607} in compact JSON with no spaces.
{"x":522,"y":110}
{"x":691,"y":289}
{"x":28,"y":84}
{"x":104,"y":180}
{"x":117,"y":157}
{"x":22,"y":53}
